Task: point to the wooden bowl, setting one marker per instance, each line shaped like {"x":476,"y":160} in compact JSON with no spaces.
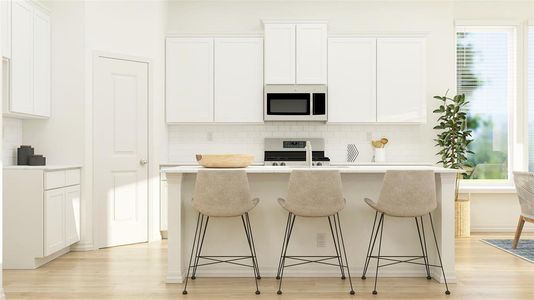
{"x":224,"y":160}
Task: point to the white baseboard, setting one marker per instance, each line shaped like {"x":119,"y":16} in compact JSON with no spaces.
{"x":83,"y":247}
{"x":2,"y":294}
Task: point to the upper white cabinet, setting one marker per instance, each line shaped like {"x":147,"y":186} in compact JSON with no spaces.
{"x":214,"y":80}
{"x":401,"y":80}
{"x":311,"y":54}
{"x":29,"y":78}
{"x":280,"y":53}
{"x":5,"y":15}
{"x":189,"y":79}
{"x":295,"y":53}
{"x":238,"y":80}
{"x":351,"y":80}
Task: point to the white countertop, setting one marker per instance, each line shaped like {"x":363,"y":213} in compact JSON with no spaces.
{"x":342,"y":169}
{"x":44,"y":168}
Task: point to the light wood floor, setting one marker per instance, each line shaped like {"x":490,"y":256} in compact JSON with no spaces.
{"x":138,"y":272}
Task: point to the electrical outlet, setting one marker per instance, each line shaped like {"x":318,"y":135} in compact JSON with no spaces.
{"x":321,"y":240}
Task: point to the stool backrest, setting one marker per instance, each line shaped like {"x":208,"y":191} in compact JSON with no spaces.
{"x":408,"y":193}
{"x":222,"y":193}
{"x":524,"y":185}
{"x":315,"y":193}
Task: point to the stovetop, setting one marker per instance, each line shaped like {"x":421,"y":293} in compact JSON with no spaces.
{"x":290,"y":152}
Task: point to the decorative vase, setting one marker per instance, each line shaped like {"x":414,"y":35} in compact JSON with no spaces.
{"x":379,"y":155}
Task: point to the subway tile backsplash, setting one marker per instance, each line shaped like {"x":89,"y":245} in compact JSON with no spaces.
{"x":11,"y":139}
{"x":407,"y":143}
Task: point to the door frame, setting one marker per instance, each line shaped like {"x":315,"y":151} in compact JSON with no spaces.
{"x":93,"y":208}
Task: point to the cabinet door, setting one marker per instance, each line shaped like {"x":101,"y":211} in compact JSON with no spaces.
{"x":311,"y":53}
{"x":351,"y":80}
{"x":279,"y":53}
{"x":41,"y":64}
{"x":5,"y":8}
{"x":189,"y":80}
{"x":54,"y":221}
{"x":401,"y":80}
{"x":22,"y":58}
{"x":239,"y":80}
{"x":72,"y":215}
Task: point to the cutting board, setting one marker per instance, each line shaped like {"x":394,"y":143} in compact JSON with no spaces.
{"x":225,"y":160}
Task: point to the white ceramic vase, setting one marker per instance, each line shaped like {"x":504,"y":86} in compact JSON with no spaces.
{"x":379,"y":154}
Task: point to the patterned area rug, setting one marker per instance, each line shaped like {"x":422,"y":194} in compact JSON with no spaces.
{"x":525,"y":248}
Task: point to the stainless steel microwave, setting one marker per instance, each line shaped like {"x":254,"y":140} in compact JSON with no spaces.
{"x":289,"y":102}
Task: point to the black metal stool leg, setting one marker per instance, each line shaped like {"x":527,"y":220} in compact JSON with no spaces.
{"x":372,"y":248}
{"x":254,"y":267}
{"x":283,"y":246}
{"x":290,"y":230}
{"x":247,"y":219}
{"x":447,"y":292}
{"x":191,"y":256}
{"x":338,"y":254}
{"x":381,"y":228}
{"x":336,"y":217}
{"x":425,"y":257}
{"x":203,"y":232}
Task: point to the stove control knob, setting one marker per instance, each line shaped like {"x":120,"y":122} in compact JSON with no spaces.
{"x":275,"y":164}
{"x":282,"y":163}
{"x":319,"y":164}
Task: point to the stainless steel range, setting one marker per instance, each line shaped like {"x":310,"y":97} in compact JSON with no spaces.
{"x":292,"y":152}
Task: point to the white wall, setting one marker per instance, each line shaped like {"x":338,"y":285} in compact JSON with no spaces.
{"x":11,"y":140}
{"x":133,"y":29}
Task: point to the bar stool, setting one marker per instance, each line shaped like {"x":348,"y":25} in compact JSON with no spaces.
{"x":314,"y":193}
{"x":407,"y":194}
{"x":222,"y":193}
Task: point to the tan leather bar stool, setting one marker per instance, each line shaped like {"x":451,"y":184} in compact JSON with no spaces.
{"x":314,"y":193}
{"x":406,"y":194}
{"x":222,"y":193}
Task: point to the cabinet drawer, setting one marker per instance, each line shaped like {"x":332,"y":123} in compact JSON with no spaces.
{"x":55,"y":179}
{"x":72,"y":177}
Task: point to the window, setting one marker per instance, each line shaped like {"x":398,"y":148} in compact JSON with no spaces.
{"x":486,"y":73}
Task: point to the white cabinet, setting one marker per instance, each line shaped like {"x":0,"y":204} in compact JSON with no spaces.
{"x":311,"y":57}
{"x":351,"y":80}
{"x":41,"y":214}
{"x":295,"y":53}
{"x":72,"y":214}
{"x":280,"y":53}
{"x":41,"y":64}
{"x":238,"y":80}
{"x":401,"y":80}
{"x":5,"y":15}
{"x":214,"y":80}
{"x":189,"y":79}
{"x":54,"y":221}
{"x":22,"y":58}
{"x":30,"y":62}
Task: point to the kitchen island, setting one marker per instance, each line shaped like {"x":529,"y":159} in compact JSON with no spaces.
{"x":311,"y":236}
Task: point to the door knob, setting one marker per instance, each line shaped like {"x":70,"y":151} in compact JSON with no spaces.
{"x":143,"y":162}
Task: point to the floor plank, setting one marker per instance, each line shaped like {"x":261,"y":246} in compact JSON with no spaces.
{"x":138,"y":272}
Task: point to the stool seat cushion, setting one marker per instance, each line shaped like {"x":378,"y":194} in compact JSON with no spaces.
{"x":314,"y":193}
{"x":406,"y":194}
{"x":223,"y":193}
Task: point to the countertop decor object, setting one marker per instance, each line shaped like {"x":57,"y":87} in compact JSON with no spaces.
{"x":379,"y":150}
{"x":352,"y":152}
{"x":225,"y":160}
{"x":24,"y":152}
{"x":37,"y":160}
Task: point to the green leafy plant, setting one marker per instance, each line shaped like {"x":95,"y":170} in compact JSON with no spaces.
{"x":454,"y":136}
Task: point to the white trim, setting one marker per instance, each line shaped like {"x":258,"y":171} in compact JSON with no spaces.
{"x":486,"y":23}
{"x":482,"y":189}
{"x":213,"y":35}
{"x":294,"y":21}
{"x":510,"y":230}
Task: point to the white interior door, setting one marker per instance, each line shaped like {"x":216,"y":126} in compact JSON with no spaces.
{"x":120,"y":151}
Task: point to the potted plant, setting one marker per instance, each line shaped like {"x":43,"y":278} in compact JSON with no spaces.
{"x":453,"y":140}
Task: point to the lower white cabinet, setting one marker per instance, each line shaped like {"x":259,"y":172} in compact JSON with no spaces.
{"x":41,"y":214}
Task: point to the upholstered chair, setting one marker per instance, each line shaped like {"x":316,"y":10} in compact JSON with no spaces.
{"x":222,"y":193}
{"x":405,"y":194}
{"x":524,"y":185}
{"x":314,"y":193}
